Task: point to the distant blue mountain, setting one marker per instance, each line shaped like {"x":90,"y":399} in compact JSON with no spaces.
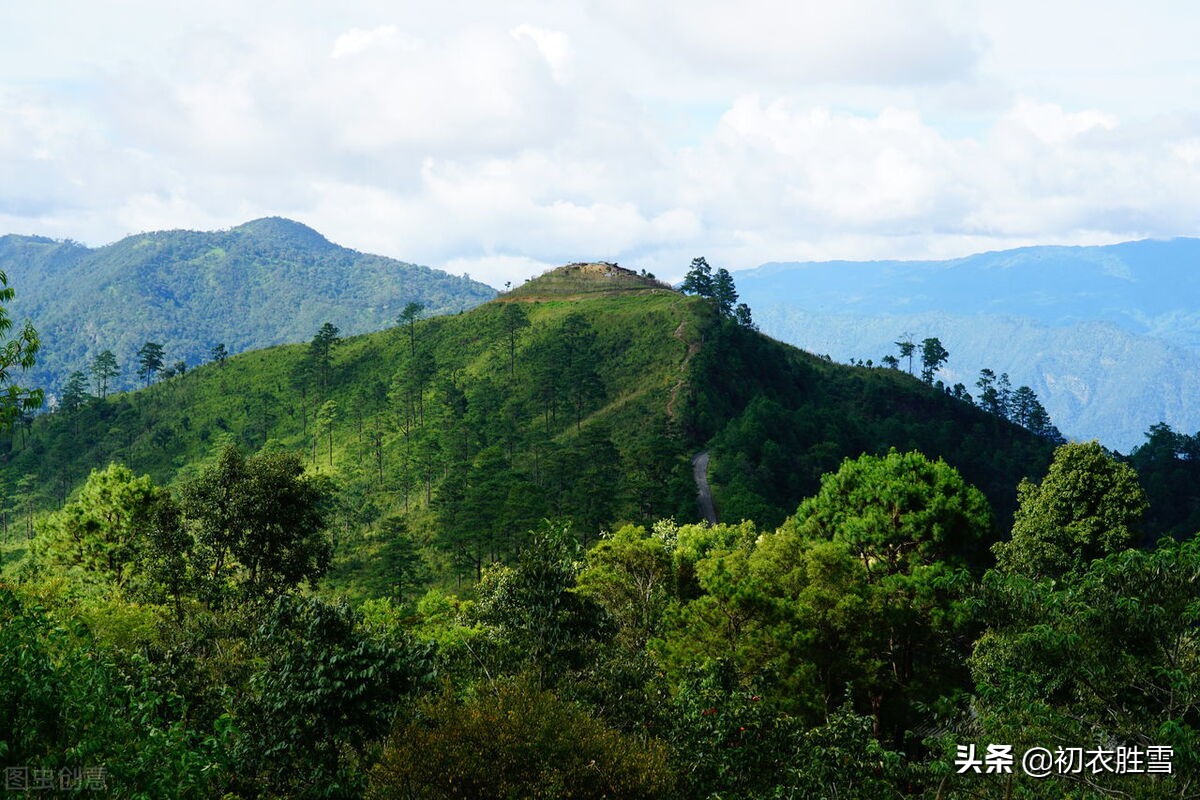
{"x":1108,"y":336}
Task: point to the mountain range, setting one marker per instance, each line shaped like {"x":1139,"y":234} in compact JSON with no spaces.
{"x":263,"y":283}
{"x":1108,"y":336}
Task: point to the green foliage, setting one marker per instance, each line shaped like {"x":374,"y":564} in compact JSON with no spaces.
{"x":104,"y":369}
{"x":105,"y":532}
{"x":727,"y":741}
{"x":631,"y":575}
{"x":66,"y":703}
{"x":1110,"y":658}
{"x":699,"y":279}
{"x":1088,"y":505}
{"x":17,"y":353}
{"x":517,"y":741}
{"x":74,"y":393}
{"x":898,"y":512}
{"x":933,"y":356}
{"x":1168,"y":467}
{"x":258,"y":524}
{"x":322,"y":693}
{"x":534,"y":607}
{"x":150,"y":361}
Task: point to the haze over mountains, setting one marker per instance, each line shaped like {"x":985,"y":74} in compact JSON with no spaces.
{"x":266,"y":282}
{"x":1109,"y":337}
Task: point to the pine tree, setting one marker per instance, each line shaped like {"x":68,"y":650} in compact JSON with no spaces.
{"x":150,"y":361}
{"x":104,"y":369}
{"x":724,"y":293}
{"x":933,"y":356}
{"x":74,"y":393}
{"x":699,"y":279}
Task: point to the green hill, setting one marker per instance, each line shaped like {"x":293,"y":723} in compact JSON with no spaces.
{"x":583,"y":394}
{"x":266,"y":282}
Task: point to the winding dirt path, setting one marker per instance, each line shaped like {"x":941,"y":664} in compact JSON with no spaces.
{"x":703,"y":491}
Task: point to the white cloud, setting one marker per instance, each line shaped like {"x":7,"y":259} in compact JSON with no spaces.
{"x":555,"y":47}
{"x":501,"y":138}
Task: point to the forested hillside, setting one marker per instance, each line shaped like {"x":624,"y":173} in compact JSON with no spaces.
{"x":461,"y":558}
{"x":266,"y":282}
{"x":583,"y":395}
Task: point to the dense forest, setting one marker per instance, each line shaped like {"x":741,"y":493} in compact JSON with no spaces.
{"x":463,"y":557}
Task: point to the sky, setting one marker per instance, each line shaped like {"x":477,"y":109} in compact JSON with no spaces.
{"x":503,"y":139}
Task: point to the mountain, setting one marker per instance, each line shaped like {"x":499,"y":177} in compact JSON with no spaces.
{"x":266,"y":282}
{"x":585,"y":393}
{"x":1109,"y":337}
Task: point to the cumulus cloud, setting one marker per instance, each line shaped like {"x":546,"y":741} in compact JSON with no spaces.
{"x":502,"y":138}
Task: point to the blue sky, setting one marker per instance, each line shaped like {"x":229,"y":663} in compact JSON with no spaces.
{"x":502,"y":139}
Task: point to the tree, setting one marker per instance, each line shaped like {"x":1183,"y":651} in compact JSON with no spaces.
{"x":104,"y":368}
{"x":724,"y":293}
{"x":16,"y":353}
{"x":218,"y":354}
{"x":180,"y":367}
{"x":258,"y":522}
{"x":582,"y":380}
{"x":320,"y":350}
{"x":912,"y":527}
{"x":630,"y":574}
{"x":327,"y":416}
{"x":1088,"y":506}
{"x":989,"y":395}
{"x":1021,"y":405}
{"x":1105,"y":656}
{"x":150,"y":361}
{"x":907,"y":348}
{"x":1004,"y":395}
{"x":890,"y":361}
{"x":534,"y":605}
{"x":742,"y":315}
{"x":104,"y":530}
{"x":323,"y":693}
{"x":74,"y":393}
{"x":933,"y":356}
{"x":513,"y":318}
{"x":409,"y":316}
{"x":699,"y":279}
{"x":516,"y":741}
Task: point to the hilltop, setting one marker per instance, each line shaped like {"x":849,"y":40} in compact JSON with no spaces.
{"x":586,"y":279}
{"x":266,"y":282}
{"x":459,"y":433}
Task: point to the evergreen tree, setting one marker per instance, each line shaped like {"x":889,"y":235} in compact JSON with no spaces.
{"x":514,"y":319}
{"x":989,"y":397}
{"x":933,"y":356}
{"x":725,"y":293}
{"x":409,"y":316}
{"x":150,"y":361}
{"x":742,"y":315}
{"x":327,"y":416}
{"x":699,"y":279}
{"x":219,"y":354}
{"x":907,"y":348}
{"x":104,"y":368}
{"x":320,"y":350}
{"x":74,"y":393}
{"x":1004,"y":395}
